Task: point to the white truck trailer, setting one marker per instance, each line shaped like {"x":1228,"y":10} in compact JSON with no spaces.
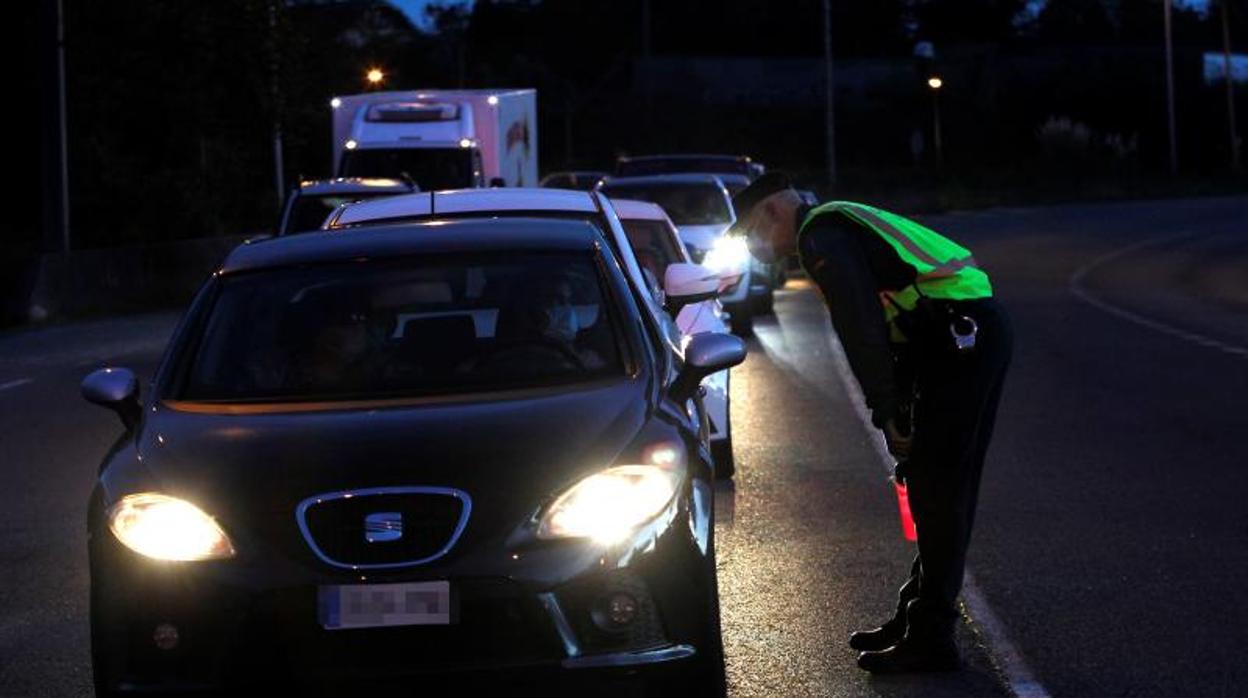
{"x":438,"y":139}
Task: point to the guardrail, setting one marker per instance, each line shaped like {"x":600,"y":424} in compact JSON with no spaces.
{"x":122,"y":279}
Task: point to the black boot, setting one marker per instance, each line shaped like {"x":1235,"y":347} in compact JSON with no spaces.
{"x":929,"y":645}
{"x":882,"y":637}
{"x":891,"y":632}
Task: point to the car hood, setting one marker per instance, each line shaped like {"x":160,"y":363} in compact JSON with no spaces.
{"x":508,"y":454}
{"x":702,"y":236}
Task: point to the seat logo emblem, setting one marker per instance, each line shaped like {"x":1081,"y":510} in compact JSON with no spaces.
{"x":383,"y":526}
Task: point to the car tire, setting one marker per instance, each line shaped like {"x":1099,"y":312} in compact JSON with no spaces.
{"x":725,"y":463}
{"x":742,"y":321}
{"x":708,"y":675}
{"x":763,"y":304}
{"x":101,"y":646}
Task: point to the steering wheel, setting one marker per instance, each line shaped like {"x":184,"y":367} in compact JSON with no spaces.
{"x":541,"y":343}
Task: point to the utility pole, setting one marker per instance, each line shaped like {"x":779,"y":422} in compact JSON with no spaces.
{"x":1230,"y":86}
{"x":55,"y":132}
{"x":279,"y":175}
{"x":830,"y":90}
{"x":1174,"y":149}
{"x":648,"y":90}
{"x":937,"y":140}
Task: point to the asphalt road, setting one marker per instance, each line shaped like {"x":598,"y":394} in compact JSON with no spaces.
{"x":1110,"y":540}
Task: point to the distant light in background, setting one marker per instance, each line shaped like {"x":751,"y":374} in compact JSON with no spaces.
{"x":350,"y":145}
{"x":935,"y":83}
{"x":375,"y":76}
{"x":335,"y":103}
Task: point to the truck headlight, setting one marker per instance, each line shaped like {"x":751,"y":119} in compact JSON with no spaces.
{"x":729,"y":253}
{"x":167,"y":528}
{"x":606,"y":506}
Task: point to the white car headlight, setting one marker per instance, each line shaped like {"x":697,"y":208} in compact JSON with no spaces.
{"x":606,"y":506}
{"x":729,"y":253}
{"x":167,"y":528}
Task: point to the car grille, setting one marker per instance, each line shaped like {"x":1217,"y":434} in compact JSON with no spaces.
{"x":388,"y":527}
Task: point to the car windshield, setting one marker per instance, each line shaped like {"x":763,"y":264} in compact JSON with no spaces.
{"x":685,"y":203}
{"x":654,"y":248}
{"x":310,"y":211}
{"x":373,"y":330}
{"x":430,"y":168}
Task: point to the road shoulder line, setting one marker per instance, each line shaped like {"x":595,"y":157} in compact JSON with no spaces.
{"x":1080,"y":291}
{"x":15,"y":383}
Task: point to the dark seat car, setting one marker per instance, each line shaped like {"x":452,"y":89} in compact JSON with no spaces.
{"x":579,"y":180}
{"x":312,"y":201}
{"x":687,"y":163}
{"x":409,"y":450}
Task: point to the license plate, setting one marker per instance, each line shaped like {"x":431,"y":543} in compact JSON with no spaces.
{"x":384,"y":605}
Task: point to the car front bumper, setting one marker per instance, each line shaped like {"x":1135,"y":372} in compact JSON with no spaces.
{"x":244,"y":621}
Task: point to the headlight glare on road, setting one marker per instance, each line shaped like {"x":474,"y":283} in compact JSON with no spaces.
{"x":167,"y":528}
{"x":605,"y":506}
{"x":729,"y":253}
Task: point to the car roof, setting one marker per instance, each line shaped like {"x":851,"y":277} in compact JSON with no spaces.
{"x":676,"y":178}
{"x":459,"y":201}
{"x":414,"y":238}
{"x":686,"y":156}
{"x":354,"y":185}
{"x":633,"y":210}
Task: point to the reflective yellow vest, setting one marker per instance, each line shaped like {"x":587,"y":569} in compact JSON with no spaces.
{"x":946,"y":270}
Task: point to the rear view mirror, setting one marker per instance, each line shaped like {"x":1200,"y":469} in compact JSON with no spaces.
{"x":706,"y":353}
{"x":117,"y":389}
{"x":688,"y":283}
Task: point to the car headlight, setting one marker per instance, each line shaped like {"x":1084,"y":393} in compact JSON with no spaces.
{"x":606,"y":506}
{"x":729,"y":253}
{"x":167,"y":528}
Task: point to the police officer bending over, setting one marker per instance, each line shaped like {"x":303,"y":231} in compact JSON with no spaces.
{"x":930,"y":348}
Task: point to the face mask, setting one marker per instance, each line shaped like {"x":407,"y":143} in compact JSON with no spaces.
{"x":561,"y":323}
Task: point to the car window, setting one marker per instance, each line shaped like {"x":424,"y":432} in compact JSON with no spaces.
{"x":684,"y":203}
{"x":653,"y":246}
{"x":452,"y":324}
{"x":309,"y":212}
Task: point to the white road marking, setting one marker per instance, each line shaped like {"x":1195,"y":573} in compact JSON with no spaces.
{"x":979,"y":615}
{"x":16,"y":383}
{"x":1081,"y":292}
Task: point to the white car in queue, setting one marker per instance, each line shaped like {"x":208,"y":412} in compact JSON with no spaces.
{"x":658,"y":248}
{"x":700,"y":207}
{"x":697,"y":284}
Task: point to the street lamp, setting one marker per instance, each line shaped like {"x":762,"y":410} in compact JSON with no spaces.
{"x":935,"y":83}
{"x":375,"y":76}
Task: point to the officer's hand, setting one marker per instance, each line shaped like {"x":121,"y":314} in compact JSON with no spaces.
{"x":898,"y":443}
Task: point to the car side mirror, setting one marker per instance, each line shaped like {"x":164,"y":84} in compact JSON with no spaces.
{"x":118,"y":390}
{"x":706,"y":353}
{"x":688,"y":283}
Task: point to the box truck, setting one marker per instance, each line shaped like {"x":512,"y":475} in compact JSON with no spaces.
{"x":438,"y":139}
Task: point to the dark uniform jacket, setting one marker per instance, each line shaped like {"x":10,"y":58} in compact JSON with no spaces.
{"x":851,"y":265}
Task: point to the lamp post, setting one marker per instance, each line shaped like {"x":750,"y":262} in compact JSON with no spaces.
{"x":1174,"y":148}
{"x":935,"y":84}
